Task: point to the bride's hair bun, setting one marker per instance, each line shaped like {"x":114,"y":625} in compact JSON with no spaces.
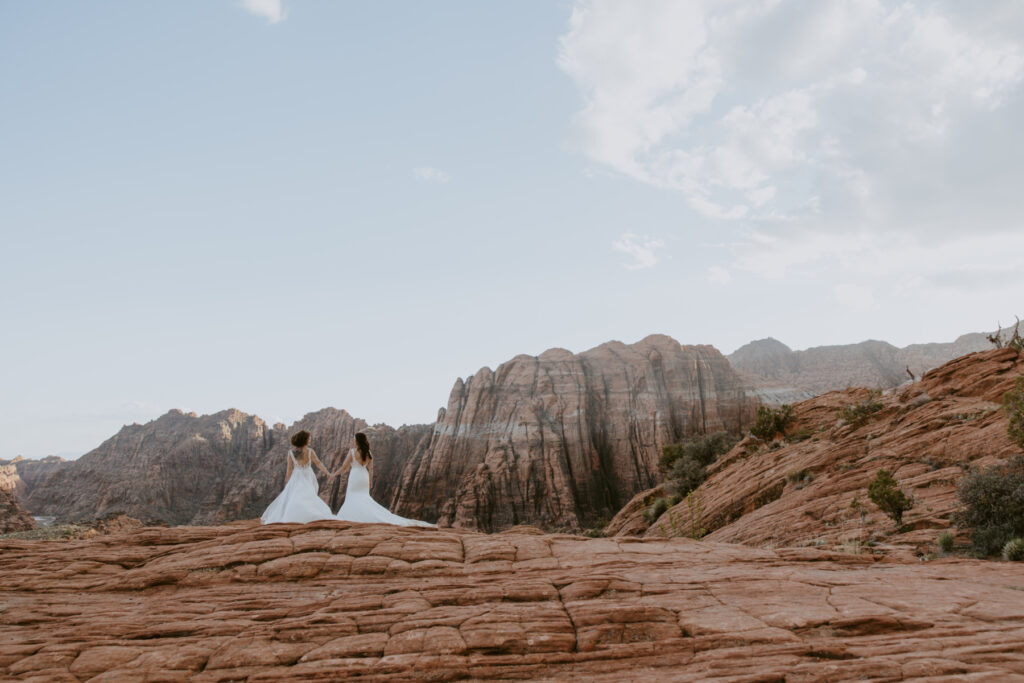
{"x":300,"y":439}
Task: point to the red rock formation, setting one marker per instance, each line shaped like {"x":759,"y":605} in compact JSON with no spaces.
{"x":927,"y":433}
{"x":12,"y":516}
{"x":332,"y":601}
{"x":21,"y":475}
{"x":782,"y":375}
{"x":175,"y":469}
{"x":562,"y":440}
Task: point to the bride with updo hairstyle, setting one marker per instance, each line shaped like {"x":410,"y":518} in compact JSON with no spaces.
{"x":299,"y":500}
{"x":358,"y":505}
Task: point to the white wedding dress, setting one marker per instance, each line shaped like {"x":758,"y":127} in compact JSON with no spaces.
{"x":360,"y":507}
{"x":298,"y":501}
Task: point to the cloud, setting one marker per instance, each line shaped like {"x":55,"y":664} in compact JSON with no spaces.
{"x":789,"y":118}
{"x":271,"y":10}
{"x":718,"y":275}
{"x":430,"y":174}
{"x":640,"y":249}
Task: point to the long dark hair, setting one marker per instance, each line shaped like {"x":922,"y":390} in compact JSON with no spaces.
{"x":363,"y":444}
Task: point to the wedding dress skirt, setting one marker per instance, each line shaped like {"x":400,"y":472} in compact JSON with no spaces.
{"x":360,"y":507}
{"x":298,"y":502}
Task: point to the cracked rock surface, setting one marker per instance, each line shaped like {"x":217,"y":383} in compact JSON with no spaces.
{"x":334,"y":601}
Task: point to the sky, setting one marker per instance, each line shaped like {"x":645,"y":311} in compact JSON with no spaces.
{"x":283,"y":205}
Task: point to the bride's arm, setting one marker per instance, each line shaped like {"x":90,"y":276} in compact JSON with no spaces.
{"x":288,"y":475}
{"x":316,"y":461}
{"x":345,"y":464}
{"x":369,"y":471}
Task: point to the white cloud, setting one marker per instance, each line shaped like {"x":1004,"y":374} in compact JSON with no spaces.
{"x":837,"y":115}
{"x":430,"y":174}
{"x":271,"y":10}
{"x":642,"y":250}
{"x":718,"y":275}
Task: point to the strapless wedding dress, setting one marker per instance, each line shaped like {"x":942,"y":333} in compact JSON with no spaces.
{"x":298,"y":502}
{"x":360,"y":507}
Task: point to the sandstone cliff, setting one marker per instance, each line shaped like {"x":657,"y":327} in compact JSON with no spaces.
{"x":800,"y":493}
{"x":782,"y":375}
{"x":332,"y":601}
{"x":12,"y":516}
{"x":21,"y":475}
{"x":561,"y":440}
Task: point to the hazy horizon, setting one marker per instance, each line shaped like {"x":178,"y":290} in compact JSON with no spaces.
{"x":284,"y":205}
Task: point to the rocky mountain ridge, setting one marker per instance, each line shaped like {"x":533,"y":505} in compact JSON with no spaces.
{"x":558,"y":439}
{"x":782,"y":375}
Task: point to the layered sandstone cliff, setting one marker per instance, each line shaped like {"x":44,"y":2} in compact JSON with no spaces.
{"x":561,"y":439}
{"x":781,"y":375}
{"x":800,"y":491}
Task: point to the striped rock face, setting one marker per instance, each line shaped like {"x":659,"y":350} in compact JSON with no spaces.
{"x":562,"y":440}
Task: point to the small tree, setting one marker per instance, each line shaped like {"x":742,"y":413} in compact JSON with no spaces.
{"x":885,"y":492}
{"x":683,"y":464}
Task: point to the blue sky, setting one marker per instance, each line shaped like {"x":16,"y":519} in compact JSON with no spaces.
{"x":284,"y":206}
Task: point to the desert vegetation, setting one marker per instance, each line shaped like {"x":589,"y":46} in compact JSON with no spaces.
{"x":884,"y":491}
{"x":857,"y":414}
{"x":772,"y":421}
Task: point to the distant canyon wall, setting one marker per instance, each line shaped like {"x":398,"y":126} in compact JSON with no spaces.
{"x":561,"y":440}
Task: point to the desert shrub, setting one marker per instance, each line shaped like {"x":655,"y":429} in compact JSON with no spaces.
{"x":885,"y":492}
{"x":1013,"y":406}
{"x":596,"y":532}
{"x":993,"y":505}
{"x":858,"y":413}
{"x":772,"y":421}
{"x":657,"y":509}
{"x":858,"y":508}
{"x":683,"y":464}
{"x":946,"y":542}
{"x":1014,"y":550}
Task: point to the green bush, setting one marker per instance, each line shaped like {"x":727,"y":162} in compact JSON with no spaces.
{"x":946,"y":542}
{"x":657,"y":509}
{"x":858,"y":413}
{"x":684,"y":464}
{"x":1014,"y":550}
{"x":772,"y":421}
{"x":993,"y":505}
{"x":885,"y":492}
{"x":1013,"y":406}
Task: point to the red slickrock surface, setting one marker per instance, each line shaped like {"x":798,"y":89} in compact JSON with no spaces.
{"x":332,"y":601}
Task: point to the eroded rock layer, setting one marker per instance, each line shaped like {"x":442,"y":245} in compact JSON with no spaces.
{"x":561,"y":439}
{"x":332,"y":601}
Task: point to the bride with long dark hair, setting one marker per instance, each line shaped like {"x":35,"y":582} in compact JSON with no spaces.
{"x":358,"y":505}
